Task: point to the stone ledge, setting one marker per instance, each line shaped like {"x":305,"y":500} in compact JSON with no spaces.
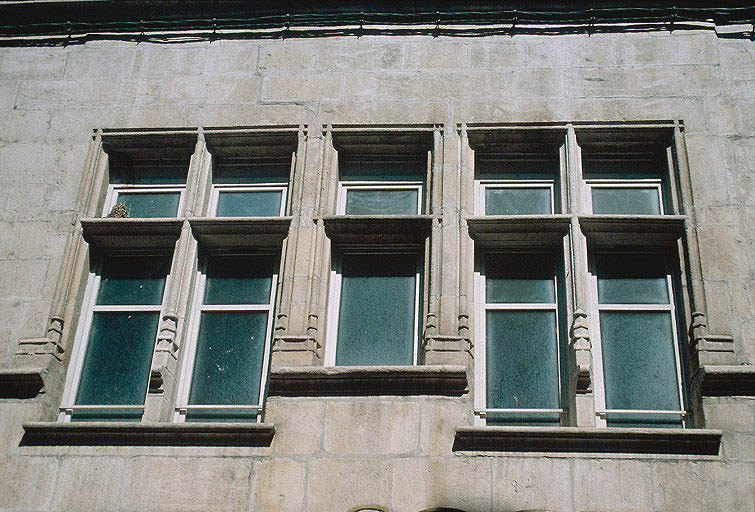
{"x":147,"y":434}
{"x":588,"y":440}
{"x":131,"y":233}
{"x":240,"y":231}
{"x":643,"y":230}
{"x":378,"y":229}
{"x":728,"y":380}
{"x":21,"y":382}
{"x":518,"y":230}
{"x":450,"y":380}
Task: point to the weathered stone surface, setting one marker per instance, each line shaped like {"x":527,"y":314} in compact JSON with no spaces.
{"x":426,"y":483}
{"x":186,"y":483}
{"x":519,"y":483}
{"x":89,"y":483}
{"x":27,"y":483}
{"x":299,"y":425}
{"x":371,"y":426}
{"x":703,"y":486}
{"x":294,"y":87}
{"x":630,"y":483}
{"x":281,"y":485}
{"x":438,"y":421}
{"x":345,"y":483}
{"x":730,"y":414}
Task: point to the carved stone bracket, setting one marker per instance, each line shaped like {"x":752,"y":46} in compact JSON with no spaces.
{"x":712,"y":349}
{"x":37,"y":352}
{"x":580,"y":337}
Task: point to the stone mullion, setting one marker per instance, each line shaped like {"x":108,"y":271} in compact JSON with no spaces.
{"x":172,"y":329}
{"x":581,"y":373}
{"x":299,"y":343}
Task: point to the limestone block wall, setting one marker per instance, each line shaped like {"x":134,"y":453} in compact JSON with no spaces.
{"x":340,"y":453}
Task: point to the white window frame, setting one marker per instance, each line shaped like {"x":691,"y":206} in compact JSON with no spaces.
{"x":481,"y":186}
{"x":114,"y":191}
{"x":345,"y":186}
{"x":480,"y":368}
{"x":601,"y":413}
{"x":334,"y":299}
{"x":182,"y":405}
{"x":646,"y":183}
{"x":81,"y":340}
{"x":218,"y":189}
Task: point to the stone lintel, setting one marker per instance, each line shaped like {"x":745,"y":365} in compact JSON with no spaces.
{"x":241,"y":231}
{"x":378,"y":229}
{"x":643,"y":230}
{"x":111,"y":233}
{"x":588,"y":440}
{"x":21,"y":382}
{"x":727,"y":380}
{"x":517,"y":230}
{"x":148,"y":434}
{"x":448,"y":380}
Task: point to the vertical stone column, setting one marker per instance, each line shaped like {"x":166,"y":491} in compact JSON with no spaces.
{"x":297,"y":334}
{"x":581,"y":370}
{"x":446,"y":336}
{"x":171,"y":331}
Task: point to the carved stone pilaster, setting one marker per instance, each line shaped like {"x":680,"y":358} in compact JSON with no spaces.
{"x":296,"y":350}
{"x":166,"y":337}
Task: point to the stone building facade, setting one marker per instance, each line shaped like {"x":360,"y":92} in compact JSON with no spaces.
{"x":507,"y":271}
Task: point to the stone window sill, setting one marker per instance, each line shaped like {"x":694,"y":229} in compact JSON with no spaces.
{"x":516,"y":230}
{"x":368,"y":229}
{"x":148,"y":434}
{"x":131,"y":233}
{"x":612,"y":230}
{"x":727,"y":380}
{"x":240,"y":231}
{"x":21,"y":383}
{"x":588,"y":440}
{"x":449,"y":380}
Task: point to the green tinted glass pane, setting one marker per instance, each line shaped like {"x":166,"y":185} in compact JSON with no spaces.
{"x":249,"y":204}
{"x":632,"y":201}
{"x":517,"y":201}
{"x":239,"y":279}
{"x":381,"y":202}
{"x":132,"y":280}
{"x":125,"y":170}
{"x":150,"y":204}
{"x":248,"y":170}
{"x":639,"y":364}
{"x":632,"y":279}
{"x":376,"y":320}
{"x":228,"y":365}
{"x":118,"y":357}
{"x":519,"y":278}
{"x":522,"y":363}
{"x":533,"y":167}
{"x":398,"y":168}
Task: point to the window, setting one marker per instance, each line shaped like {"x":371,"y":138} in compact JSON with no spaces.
{"x":381,"y":185}
{"x":603,"y":259}
{"x":215,"y":262}
{"x":111,"y":370}
{"x":638,"y":345}
{"x":376,"y":301}
{"x":227,"y":356}
{"x":146,"y":187}
{"x":520,"y":320}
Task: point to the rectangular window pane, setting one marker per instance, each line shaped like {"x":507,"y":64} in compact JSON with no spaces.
{"x":239,"y":280}
{"x":519,"y":278}
{"x":249,"y":170}
{"x":132,"y":280}
{"x":639,"y":364}
{"x":626,"y":200}
{"x":118,"y":357}
{"x":522,"y":365}
{"x":249,"y":203}
{"x":517,"y":201}
{"x":149,"y":171}
{"x":150,"y":204}
{"x":632,"y":279}
{"x":376,"y":324}
{"x":381,"y":202}
{"x":228,"y":365}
